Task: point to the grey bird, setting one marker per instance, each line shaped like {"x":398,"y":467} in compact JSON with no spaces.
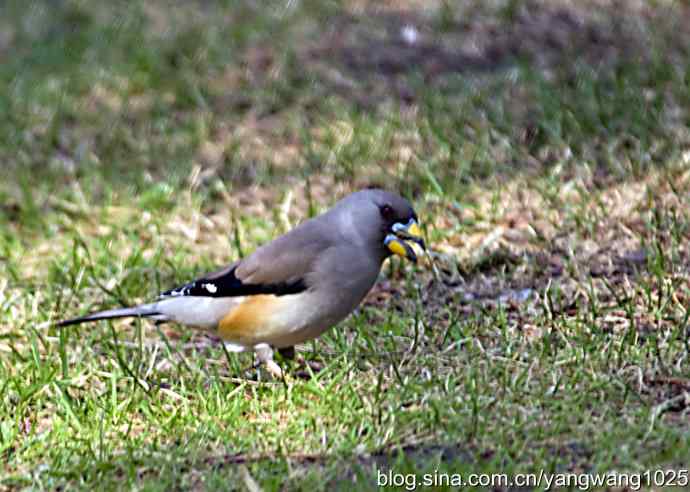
{"x":295,"y":287}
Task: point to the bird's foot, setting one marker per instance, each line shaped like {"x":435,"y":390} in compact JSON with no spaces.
{"x":274,"y":369}
{"x":264,"y":355}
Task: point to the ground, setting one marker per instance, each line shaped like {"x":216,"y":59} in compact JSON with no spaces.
{"x":545,"y":146}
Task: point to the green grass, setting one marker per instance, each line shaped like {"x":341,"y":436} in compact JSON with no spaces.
{"x":145,"y":143}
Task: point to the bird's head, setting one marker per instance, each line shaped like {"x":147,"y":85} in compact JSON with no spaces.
{"x":383,"y":219}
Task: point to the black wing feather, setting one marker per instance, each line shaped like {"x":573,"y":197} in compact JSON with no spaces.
{"x":228,"y":285}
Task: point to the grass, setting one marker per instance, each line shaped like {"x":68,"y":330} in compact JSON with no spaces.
{"x":546,"y":149}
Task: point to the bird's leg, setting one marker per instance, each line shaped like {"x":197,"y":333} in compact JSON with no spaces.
{"x":264,"y":354}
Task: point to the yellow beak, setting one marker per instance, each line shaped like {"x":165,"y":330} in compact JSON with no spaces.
{"x":396,"y":241}
{"x":414,"y":231}
{"x":399,"y":247}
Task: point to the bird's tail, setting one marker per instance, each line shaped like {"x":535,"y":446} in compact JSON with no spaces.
{"x":143,"y":311}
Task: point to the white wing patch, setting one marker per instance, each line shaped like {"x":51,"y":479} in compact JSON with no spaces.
{"x":212,"y":288}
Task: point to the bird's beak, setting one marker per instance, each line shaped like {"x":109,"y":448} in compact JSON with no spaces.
{"x":400,"y":233}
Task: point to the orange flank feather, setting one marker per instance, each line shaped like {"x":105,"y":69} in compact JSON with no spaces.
{"x":254,"y":317}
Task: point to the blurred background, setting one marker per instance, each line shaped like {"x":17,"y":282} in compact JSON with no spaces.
{"x":419,"y":95}
{"x":546,"y":148}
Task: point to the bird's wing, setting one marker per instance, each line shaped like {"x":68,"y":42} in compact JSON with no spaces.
{"x":280,"y":267}
{"x":227,"y":283}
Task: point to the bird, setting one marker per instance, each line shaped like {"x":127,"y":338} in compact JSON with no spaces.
{"x":295,"y":287}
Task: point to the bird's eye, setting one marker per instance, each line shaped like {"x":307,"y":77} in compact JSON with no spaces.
{"x":386,"y":212}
